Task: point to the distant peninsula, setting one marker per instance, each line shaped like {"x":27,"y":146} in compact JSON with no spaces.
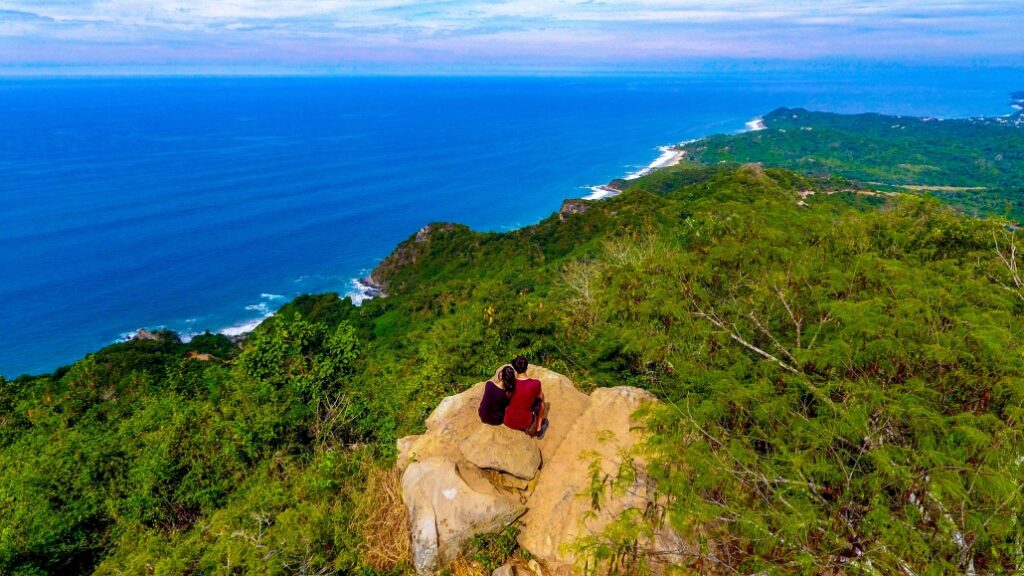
{"x":976,"y":164}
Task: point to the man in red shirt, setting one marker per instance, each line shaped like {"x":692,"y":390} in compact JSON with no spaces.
{"x":526,"y":410}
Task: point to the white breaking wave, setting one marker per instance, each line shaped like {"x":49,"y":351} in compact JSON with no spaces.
{"x":599,"y":192}
{"x":360,"y":291}
{"x":264,"y":309}
{"x":756,"y":124}
{"x":259,"y":307}
{"x":243,"y":328}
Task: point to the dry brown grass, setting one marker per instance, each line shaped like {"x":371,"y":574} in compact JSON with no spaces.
{"x":384,"y":522}
{"x":466,"y":567}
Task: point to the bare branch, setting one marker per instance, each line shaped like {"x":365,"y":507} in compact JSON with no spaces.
{"x":732,"y":334}
{"x":824,"y":319}
{"x":765,"y":331}
{"x":1009,"y":259}
{"x":797,"y":323}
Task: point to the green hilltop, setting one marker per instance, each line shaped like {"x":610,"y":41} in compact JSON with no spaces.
{"x":976,"y":164}
{"x":842,"y":372}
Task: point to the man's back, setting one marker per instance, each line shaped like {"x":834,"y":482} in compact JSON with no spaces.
{"x":519,"y":413}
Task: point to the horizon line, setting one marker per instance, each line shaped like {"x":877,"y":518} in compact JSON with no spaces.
{"x":716,"y":66}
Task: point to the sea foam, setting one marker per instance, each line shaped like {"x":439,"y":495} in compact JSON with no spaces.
{"x":241,"y":329}
{"x":362,"y":289}
{"x":755,"y":125}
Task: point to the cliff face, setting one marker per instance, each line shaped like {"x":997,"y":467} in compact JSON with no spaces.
{"x":572,"y":206}
{"x":409,"y":252}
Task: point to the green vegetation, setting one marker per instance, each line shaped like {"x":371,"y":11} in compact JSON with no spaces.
{"x":493,"y":550}
{"x":976,"y":164}
{"x":843,"y":386}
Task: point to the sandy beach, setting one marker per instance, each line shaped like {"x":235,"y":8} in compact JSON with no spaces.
{"x":670,"y":156}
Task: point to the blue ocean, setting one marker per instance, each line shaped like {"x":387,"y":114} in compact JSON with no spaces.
{"x":205,"y":203}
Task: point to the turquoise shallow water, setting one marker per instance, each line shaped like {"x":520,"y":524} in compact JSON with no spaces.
{"x":204,"y":203}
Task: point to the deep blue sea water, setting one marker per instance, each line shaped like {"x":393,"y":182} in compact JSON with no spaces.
{"x":204,"y":203}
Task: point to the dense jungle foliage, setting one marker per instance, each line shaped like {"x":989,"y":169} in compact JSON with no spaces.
{"x":843,"y":385}
{"x":976,"y":163}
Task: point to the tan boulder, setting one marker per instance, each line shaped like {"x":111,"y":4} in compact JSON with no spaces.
{"x":404,"y":446}
{"x":504,"y":570}
{"x":454,"y":419}
{"x":503,"y":449}
{"x":445,"y":512}
{"x":560,"y":508}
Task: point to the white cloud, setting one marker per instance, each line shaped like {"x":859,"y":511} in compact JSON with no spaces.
{"x":429,"y":13}
{"x":630,"y":29}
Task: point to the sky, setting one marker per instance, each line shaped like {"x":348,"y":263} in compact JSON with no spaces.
{"x":439,"y":35}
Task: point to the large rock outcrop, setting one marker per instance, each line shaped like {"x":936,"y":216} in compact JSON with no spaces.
{"x":455,"y":418}
{"x":445,"y":510}
{"x":462,"y":477}
{"x":597,"y":448}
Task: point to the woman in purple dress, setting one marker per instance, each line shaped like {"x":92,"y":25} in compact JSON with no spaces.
{"x":496,"y":397}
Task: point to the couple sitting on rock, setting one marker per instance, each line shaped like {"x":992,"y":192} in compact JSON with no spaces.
{"x":515,"y":401}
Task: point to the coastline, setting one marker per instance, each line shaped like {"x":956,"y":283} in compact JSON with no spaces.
{"x":360,"y":290}
{"x":365,"y":288}
{"x":670,"y":156}
{"x":601,"y":192}
{"x":236,"y":331}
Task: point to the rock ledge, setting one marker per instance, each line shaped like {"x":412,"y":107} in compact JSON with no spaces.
{"x":462,"y":477}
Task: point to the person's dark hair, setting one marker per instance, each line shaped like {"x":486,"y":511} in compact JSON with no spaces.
{"x":508,"y":379}
{"x":520,"y":364}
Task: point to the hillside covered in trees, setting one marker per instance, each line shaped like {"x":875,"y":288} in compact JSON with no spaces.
{"x":976,"y":164}
{"x":842,"y":375}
